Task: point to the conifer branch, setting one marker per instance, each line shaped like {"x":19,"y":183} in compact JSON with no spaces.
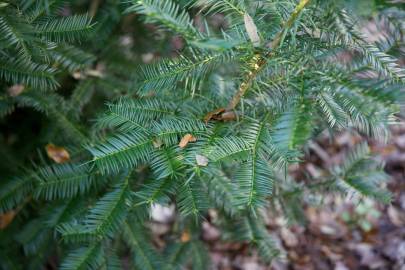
{"x":150,"y":149}
{"x":258,"y":62}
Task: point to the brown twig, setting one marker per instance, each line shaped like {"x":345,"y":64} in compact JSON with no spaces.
{"x":94,"y":7}
{"x":260,"y":61}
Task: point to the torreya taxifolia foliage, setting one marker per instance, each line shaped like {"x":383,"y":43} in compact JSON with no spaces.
{"x":214,"y":127}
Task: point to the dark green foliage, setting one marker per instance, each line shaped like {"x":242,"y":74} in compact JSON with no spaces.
{"x":63,"y":181}
{"x":121,"y":151}
{"x":14,"y":192}
{"x":249,"y":108}
{"x":32,"y":46}
{"x":144,"y":255}
{"x":89,"y":257}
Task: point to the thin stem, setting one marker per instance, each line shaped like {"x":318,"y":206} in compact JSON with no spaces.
{"x":260,"y":61}
{"x":94,"y":7}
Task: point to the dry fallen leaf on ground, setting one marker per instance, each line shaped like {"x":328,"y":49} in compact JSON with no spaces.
{"x":288,"y":237}
{"x":186,"y":139}
{"x":210,"y":232}
{"x":57,"y":153}
{"x":396,"y":216}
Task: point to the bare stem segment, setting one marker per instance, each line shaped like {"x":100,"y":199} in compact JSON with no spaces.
{"x":259,"y":61}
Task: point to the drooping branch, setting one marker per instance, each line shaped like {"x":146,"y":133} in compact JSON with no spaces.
{"x":259,"y":61}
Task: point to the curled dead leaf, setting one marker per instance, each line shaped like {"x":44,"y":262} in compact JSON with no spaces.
{"x":201,"y":160}
{"x":220,"y":114}
{"x":186,"y":139}
{"x":57,"y":153}
{"x":213,"y":115}
{"x":6,"y":218}
{"x":228,"y":116}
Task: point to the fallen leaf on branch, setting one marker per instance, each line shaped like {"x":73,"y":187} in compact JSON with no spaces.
{"x":57,"y":153}
{"x":228,"y":116}
{"x":213,"y":115}
{"x":289,"y":238}
{"x":251,"y":30}
{"x":186,"y":139}
{"x":201,"y":160}
{"x":185,"y":237}
{"x":6,"y":219}
{"x":220,"y":114}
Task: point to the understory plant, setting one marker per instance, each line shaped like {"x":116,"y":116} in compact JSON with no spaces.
{"x":105,"y":119}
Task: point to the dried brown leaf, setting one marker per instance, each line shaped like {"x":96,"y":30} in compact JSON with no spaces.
{"x":186,"y":139}
{"x":228,"y":116}
{"x":185,"y":237}
{"x":213,"y":115}
{"x":6,"y":219}
{"x":57,"y":153}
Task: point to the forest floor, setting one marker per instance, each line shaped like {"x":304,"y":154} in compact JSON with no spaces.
{"x":338,"y":234}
